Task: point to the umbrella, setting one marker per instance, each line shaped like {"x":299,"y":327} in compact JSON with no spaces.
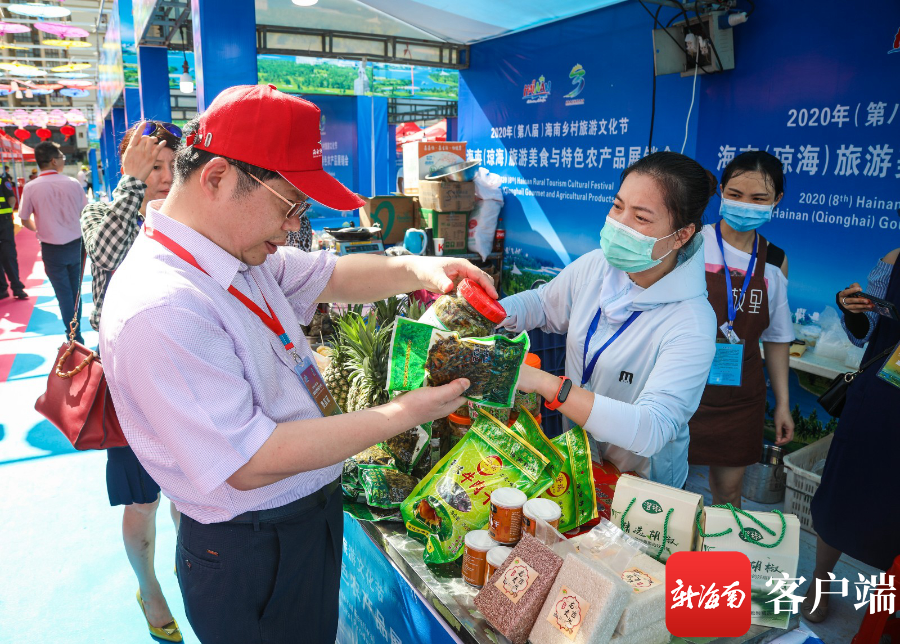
{"x":13,"y":28}
{"x":61,"y":30}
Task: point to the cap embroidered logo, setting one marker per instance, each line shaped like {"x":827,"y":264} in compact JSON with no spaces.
{"x":278,"y":132}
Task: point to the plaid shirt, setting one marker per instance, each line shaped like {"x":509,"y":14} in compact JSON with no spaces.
{"x":109,"y":230}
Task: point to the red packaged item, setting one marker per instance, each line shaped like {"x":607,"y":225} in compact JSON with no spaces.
{"x":606,"y":476}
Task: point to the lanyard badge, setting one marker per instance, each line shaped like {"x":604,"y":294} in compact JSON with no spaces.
{"x":587,"y":368}
{"x":728,"y":327}
{"x":306,"y":369}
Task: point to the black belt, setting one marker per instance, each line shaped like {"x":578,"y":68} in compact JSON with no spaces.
{"x":274,"y":515}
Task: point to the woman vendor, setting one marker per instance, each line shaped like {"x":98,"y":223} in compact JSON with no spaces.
{"x":640,"y":329}
{"x":746,"y":277}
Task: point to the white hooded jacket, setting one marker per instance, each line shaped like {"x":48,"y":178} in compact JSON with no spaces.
{"x":649,"y":381}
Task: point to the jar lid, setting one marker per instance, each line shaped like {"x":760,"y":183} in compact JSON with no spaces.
{"x":481,"y":539}
{"x":459,"y":419}
{"x":481,"y":301}
{"x":533,"y":360}
{"x":508,"y":497}
{"x":542,"y":509}
{"x":498,"y":556}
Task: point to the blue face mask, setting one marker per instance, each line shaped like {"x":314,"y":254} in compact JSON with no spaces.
{"x":627,"y":249}
{"x":745,"y":216}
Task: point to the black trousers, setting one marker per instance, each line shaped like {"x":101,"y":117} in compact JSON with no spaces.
{"x":275,"y":581}
{"x":9,"y":259}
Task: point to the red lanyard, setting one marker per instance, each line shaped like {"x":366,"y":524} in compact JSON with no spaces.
{"x":270,"y":320}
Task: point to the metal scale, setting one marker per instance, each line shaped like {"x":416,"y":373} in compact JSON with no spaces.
{"x":352,"y":241}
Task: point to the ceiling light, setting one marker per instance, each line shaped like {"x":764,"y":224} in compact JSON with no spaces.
{"x":38,"y":10}
{"x":304,"y":3}
{"x":185,"y":83}
{"x":58,"y":42}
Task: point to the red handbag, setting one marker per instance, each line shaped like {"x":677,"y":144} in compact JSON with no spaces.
{"x":77,"y":400}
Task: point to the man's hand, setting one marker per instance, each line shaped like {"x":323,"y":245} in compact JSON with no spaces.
{"x":442,"y":274}
{"x":854,"y":304}
{"x":784,"y":426}
{"x":141,"y":154}
{"x":425,"y":404}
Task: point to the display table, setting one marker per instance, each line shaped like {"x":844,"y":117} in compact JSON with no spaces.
{"x":436,"y":607}
{"x":818,"y":366}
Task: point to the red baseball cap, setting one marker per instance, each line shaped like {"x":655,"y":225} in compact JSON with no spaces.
{"x":261,"y":126}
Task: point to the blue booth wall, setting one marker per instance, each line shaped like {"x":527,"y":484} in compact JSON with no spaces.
{"x":559,"y":112}
{"x":822,"y":97}
{"x":825,"y":99}
{"x":355,"y":150}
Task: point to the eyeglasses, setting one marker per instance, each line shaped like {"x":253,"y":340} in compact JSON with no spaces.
{"x":297,"y":208}
{"x":152,"y":128}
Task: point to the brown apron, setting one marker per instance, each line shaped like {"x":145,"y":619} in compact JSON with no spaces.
{"x":727,"y":429}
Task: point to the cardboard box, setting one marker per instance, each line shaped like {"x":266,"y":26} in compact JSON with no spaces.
{"x":447,"y":196}
{"x":395,"y":215}
{"x":452,"y":226}
{"x":421,"y":158}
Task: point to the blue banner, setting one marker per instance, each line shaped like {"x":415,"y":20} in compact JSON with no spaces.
{"x":340,"y":159}
{"x":559,"y":111}
{"x":377,"y":604}
{"x":832,"y":115}
{"x":560,"y":123}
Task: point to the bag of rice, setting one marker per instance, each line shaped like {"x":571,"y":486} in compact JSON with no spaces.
{"x":512,"y":598}
{"x":454,"y":497}
{"x":422,"y":355}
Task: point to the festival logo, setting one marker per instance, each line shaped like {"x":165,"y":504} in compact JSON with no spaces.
{"x":577,"y":76}
{"x":896,"y":48}
{"x":537,"y":91}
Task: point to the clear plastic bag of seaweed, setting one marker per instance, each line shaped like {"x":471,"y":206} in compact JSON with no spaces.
{"x":385,"y":487}
{"x":422,"y":355}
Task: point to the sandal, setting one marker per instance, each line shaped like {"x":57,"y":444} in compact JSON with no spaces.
{"x":169,"y":632}
{"x":814,"y":616}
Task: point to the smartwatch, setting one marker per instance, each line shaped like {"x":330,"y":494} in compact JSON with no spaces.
{"x":561,"y":394}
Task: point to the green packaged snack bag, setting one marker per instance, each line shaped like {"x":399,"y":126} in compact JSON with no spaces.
{"x":363,"y":512}
{"x":408,"y":447}
{"x":573,"y":488}
{"x":422,"y":355}
{"x":527,"y":427}
{"x":385,"y":487}
{"x":454,"y":498}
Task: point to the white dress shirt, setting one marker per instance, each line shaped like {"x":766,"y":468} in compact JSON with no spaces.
{"x":198,"y":381}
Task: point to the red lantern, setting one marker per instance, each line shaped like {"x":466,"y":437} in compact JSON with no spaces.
{"x":22,"y":134}
{"x":44,"y":134}
{"x":67,"y":130}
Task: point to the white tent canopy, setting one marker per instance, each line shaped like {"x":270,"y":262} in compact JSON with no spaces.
{"x":460,"y":21}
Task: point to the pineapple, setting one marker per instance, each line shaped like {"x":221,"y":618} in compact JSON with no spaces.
{"x":369,"y":352}
{"x":415,"y":309}
{"x":338,"y":374}
{"x":386,"y":311}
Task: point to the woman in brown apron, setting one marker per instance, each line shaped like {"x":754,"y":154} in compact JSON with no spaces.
{"x":727,"y":430}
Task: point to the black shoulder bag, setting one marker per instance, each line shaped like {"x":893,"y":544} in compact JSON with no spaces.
{"x":836,"y":395}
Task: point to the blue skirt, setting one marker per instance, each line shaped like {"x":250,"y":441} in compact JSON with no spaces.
{"x":127,"y":481}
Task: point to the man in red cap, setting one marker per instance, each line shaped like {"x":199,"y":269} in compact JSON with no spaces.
{"x":215,"y":385}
